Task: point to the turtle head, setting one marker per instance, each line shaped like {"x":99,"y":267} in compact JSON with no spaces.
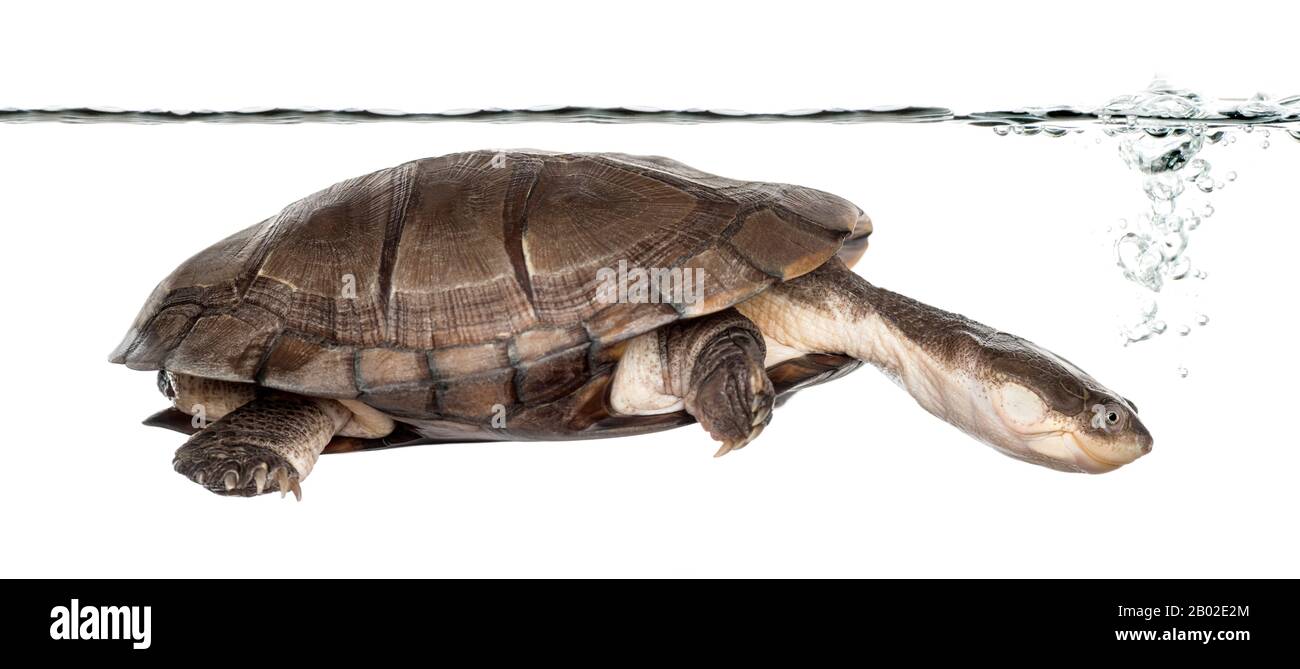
{"x":1052,"y":413}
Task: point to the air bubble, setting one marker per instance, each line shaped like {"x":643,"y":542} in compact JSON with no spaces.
{"x":1202,"y":319}
{"x":1173,"y":245}
{"x":1154,"y":154}
{"x":1146,"y":327}
{"x":1184,"y":330}
{"x":1179,"y":268}
{"x":1140,"y":260}
{"x":1163,"y":190}
{"x":1182,"y":371}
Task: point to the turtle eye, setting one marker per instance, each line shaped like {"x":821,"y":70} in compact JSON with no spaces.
{"x":1114,"y":416}
{"x":1106,"y":416}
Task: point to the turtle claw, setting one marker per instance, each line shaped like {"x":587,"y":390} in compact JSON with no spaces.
{"x":721,"y":408}
{"x":737,"y":444}
{"x":236,"y":469}
{"x":259,"y":477}
{"x":287,"y":485}
{"x":762,"y":412}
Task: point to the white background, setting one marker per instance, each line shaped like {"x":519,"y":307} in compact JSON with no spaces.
{"x":850,"y":479}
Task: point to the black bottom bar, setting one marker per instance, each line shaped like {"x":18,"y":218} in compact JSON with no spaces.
{"x":240,"y":620}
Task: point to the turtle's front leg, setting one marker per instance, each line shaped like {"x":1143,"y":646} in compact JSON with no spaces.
{"x":710,"y":366}
{"x":267,"y":444}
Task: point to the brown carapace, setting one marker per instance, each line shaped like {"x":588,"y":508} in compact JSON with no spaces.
{"x":459,"y":294}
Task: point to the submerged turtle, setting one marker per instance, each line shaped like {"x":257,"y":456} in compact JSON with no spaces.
{"x":528,"y":295}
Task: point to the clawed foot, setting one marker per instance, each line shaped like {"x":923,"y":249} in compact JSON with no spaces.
{"x":761,"y":412}
{"x":762,"y":416}
{"x":242,"y":470}
{"x":734,"y":403}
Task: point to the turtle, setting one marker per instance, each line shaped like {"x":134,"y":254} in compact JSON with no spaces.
{"x":537,"y":295}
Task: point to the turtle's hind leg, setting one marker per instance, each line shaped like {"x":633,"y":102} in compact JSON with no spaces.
{"x":270,"y":443}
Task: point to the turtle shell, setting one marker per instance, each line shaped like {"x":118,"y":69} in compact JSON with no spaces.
{"x":447,"y":286}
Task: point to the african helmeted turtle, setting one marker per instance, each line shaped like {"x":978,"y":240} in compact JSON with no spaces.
{"x":534,"y":295}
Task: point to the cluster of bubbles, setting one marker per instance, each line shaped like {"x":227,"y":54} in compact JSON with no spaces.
{"x":1154,"y":250}
{"x":1150,"y":324}
{"x":1160,"y":131}
{"x":1164,"y":151}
